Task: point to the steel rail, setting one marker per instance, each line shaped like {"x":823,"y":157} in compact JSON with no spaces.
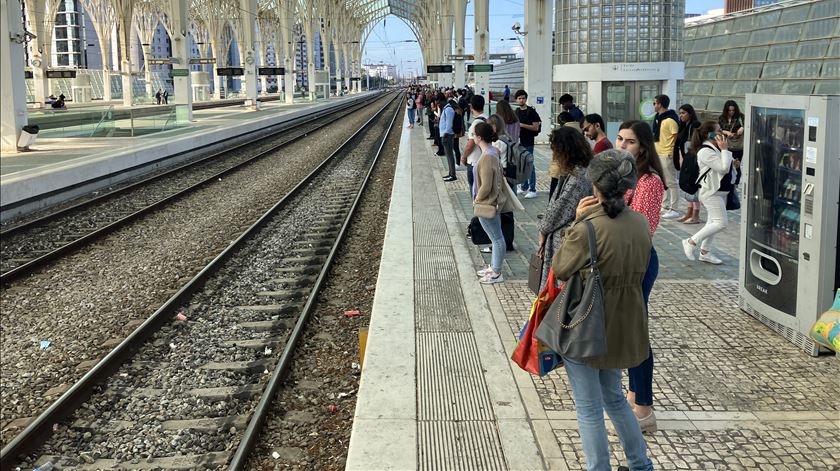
{"x":41,"y":427}
{"x":48,"y":257}
{"x":254,"y":427}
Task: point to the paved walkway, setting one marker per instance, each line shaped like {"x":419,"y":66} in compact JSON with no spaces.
{"x":438,"y":390}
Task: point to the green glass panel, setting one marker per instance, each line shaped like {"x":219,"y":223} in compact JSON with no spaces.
{"x":744,"y":87}
{"x":798,"y":87}
{"x":762,"y":36}
{"x":707,"y":73}
{"x":774,"y":70}
{"x":830,"y":69}
{"x":804,"y":70}
{"x":750,"y":71}
{"x":727,"y":72}
{"x":693,"y":60}
{"x":765,"y":19}
{"x":733,"y":56}
{"x":782,"y":52}
{"x":722,"y":27}
{"x":717,"y":102}
{"x":770,"y":86}
{"x":812,"y":49}
{"x":722,"y":88}
{"x":756,"y":54}
{"x":827,"y":87}
{"x":834,"y":48}
{"x":825,"y":9}
{"x":795,"y":14}
{"x":822,"y":29}
{"x":788,"y":33}
{"x":719,"y":43}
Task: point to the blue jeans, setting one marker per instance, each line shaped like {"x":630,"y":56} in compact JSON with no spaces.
{"x":641,"y":377}
{"x":595,"y":390}
{"x":531,"y":184}
{"x":411,"y":116}
{"x":493,"y":228}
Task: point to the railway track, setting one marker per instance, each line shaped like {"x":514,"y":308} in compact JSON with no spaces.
{"x":35,"y":243}
{"x":196,"y":391}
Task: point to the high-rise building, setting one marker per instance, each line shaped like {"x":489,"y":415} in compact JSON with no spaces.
{"x":68,"y":35}
{"x":730,"y":6}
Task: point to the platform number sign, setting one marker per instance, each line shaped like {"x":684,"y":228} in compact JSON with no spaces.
{"x":439,"y":69}
{"x":230,"y":71}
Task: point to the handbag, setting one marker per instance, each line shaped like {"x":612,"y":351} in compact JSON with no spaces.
{"x":486,"y":211}
{"x":535,"y":268}
{"x":733,"y":200}
{"x":477,"y":234}
{"x":530,"y":354}
{"x":575,"y":325}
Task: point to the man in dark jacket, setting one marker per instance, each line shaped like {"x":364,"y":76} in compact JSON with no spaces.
{"x":568,"y":103}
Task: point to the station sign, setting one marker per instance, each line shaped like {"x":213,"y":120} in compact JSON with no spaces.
{"x":502,"y":57}
{"x":61,"y":74}
{"x":479,"y":67}
{"x":422,"y":77}
{"x":27,"y":74}
{"x":230,"y":71}
{"x":203,"y":60}
{"x":271,"y":70}
{"x":180,"y":72}
{"x":461,"y":57}
{"x":439,"y":69}
{"x":161,"y":61}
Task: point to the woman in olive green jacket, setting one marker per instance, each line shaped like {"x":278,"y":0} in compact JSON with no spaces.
{"x":623,"y":248}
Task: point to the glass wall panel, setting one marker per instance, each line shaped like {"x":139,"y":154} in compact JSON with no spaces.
{"x":812,"y":49}
{"x":782,"y":52}
{"x":765,"y":19}
{"x":834,"y":48}
{"x":830,"y":68}
{"x":716,"y":102}
{"x":750,"y":71}
{"x":770,"y":86}
{"x":788,"y":33}
{"x":743,"y":87}
{"x":827,"y":87}
{"x":822,"y":29}
{"x":732,"y":56}
{"x":727,"y":72}
{"x":772,"y":70}
{"x":825,"y":10}
{"x":762,"y":36}
{"x":795,"y":14}
{"x":804,"y":70}
{"x":798,"y":87}
{"x":756,"y":54}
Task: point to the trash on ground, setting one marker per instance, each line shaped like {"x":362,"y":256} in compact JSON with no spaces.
{"x":275,"y":455}
{"x":267,"y":351}
{"x":180,"y":317}
{"x":355,"y":366}
{"x":353,"y":313}
{"x":45,"y":344}
{"x":332,"y":408}
{"x":172,"y":346}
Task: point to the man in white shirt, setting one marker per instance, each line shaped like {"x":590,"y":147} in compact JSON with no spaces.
{"x":472,"y":152}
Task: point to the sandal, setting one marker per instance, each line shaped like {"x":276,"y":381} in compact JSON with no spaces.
{"x":692,"y":221}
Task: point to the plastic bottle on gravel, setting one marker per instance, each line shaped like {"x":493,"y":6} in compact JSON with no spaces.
{"x":48,"y":466}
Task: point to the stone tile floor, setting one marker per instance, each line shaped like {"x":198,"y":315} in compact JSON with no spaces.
{"x":730,"y":394}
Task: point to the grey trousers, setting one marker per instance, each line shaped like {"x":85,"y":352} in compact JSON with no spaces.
{"x":448,"y":140}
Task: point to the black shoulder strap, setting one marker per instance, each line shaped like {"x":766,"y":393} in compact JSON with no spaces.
{"x":593,"y":248}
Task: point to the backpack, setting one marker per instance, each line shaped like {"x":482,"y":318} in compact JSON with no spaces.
{"x":690,"y":172}
{"x":411,"y":104}
{"x":519,"y":163}
{"x":458,"y":125}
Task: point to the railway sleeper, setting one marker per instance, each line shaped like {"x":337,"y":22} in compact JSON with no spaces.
{"x":254,"y":366}
{"x":294,"y":282}
{"x":286,"y":294}
{"x":265,"y":326}
{"x":177,"y":463}
{"x":290,"y":308}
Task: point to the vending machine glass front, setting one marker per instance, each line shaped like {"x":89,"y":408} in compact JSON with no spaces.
{"x":775,"y":190}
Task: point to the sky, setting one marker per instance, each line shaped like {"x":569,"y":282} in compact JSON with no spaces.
{"x":388,"y":41}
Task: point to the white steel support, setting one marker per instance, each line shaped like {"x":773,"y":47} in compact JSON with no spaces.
{"x":538,"y":61}
{"x":481,"y":39}
{"x":124,"y":33}
{"x":287,"y":22}
{"x":248,"y":22}
{"x":13,"y":111}
{"x":460,"y":8}
{"x":446,"y":21}
{"x":180,"y":20}
{"x":41,"y":24}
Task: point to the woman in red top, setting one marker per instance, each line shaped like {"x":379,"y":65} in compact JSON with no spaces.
{"x":636,"y":138}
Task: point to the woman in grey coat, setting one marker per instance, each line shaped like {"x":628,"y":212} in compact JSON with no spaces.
{"x":572,"y":153}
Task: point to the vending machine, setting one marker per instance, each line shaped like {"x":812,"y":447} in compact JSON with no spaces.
{"x":790,"y":264}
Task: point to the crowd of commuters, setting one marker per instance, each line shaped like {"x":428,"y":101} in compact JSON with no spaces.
{"x":624,"y":191}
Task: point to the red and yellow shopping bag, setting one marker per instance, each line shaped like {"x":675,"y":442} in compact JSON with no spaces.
{"x":530,"y":354}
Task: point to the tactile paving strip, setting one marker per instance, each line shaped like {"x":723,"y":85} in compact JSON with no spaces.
{"x":450,"y":379}
{"x":440,"y":307}
{"x":464,"y":446}
{"x":434,"y":263}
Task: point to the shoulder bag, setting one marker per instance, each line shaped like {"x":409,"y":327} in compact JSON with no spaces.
{"x":574,"y":325}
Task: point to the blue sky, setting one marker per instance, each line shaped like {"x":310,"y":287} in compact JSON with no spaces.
{"x":387,"y":41}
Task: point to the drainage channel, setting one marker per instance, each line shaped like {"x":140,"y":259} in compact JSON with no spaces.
{"x":183,"y":400}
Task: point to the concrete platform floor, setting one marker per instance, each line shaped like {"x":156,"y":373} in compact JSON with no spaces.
{"x":438,"y":390}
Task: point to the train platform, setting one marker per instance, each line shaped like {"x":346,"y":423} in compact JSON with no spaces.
{"x":58,"y":163}
{"x":438,"y":389}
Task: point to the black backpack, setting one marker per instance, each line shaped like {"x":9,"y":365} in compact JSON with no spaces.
{"x":690,"y":172}
{"x":458,"y":125}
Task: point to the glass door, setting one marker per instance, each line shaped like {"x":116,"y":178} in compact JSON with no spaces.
{"x":645,"y":93}
{"x":773,"y":205}
{"x":618,"y":98}
{"x":776,"y":185}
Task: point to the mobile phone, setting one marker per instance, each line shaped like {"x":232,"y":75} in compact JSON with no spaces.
{"x":712,"y":135}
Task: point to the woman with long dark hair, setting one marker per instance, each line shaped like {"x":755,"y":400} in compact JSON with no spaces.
{"x":716,"y":180}
{"x":572,"y":154}
{"x":507,"y":114}
{"x":636,"y":138}
{"x":688,"y":124}
{"x":731,"y":124}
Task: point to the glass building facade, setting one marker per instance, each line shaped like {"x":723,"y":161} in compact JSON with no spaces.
{"x":791,"y":48}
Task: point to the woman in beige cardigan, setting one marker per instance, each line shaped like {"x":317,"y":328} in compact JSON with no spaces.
{"x":492,"y":190}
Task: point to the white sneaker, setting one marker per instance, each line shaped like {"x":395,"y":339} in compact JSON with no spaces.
{"x":491,"y":278}
{"x":484,"y":271}
{"x":531,"y":195}
{"x":520,"y":191}
{"x":709,"y":258}
{"x":688,"y":249}
{"x":671,"y":214}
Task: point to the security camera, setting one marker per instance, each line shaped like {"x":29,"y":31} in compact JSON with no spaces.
{"x":516,"y":26}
